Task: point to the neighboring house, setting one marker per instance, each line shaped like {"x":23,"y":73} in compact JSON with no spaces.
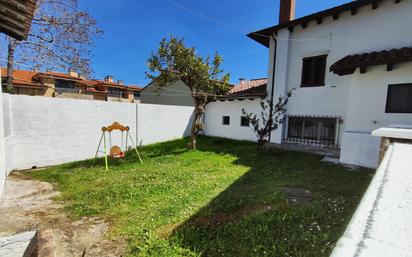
{"x":178,"y":93}
{"x":70,"y":85}
{"x":351,"y":68}
{"x":224,"y":117}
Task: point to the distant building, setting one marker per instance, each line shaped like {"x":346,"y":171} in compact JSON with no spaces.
{"x":70,"y":85}
{"x":177,"y":93}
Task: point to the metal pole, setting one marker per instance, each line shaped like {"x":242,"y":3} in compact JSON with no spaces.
{"x":127,"y":133}
{"x":105,"y":152}
{"x":135,"y":148}
{"x":98,"y":148}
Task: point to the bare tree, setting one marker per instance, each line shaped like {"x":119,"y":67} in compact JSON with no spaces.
{"x":270,"y":117}
{"x":61,"y":37}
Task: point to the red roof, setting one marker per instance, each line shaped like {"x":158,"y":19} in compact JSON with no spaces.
{"x":25,"y":77}
{"x":255,"y":88}
{"x":135,"y":88}
{"x":58,"y":75}
{"x":22,"y":77}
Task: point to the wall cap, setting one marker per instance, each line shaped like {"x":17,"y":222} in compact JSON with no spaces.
{"x":394,"y":131}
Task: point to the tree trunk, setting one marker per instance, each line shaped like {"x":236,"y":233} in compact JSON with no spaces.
{"x":10,"y":63}
{"x":193,"y":131}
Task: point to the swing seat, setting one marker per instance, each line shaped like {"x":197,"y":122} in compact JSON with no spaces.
{"x":116,"y":152}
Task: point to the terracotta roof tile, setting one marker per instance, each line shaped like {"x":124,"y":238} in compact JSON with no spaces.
{"x":134,"y":88}
{"x":24,"y":77}
{"x":249,"y":88}
{"x":58,"y":75}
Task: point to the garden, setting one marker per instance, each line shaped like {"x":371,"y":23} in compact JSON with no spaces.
{"x":227,"y":198}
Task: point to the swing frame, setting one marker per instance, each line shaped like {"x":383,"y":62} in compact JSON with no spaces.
{"x":115,"y":126}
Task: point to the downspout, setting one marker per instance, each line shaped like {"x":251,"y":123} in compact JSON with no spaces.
{"x":273,"y":85}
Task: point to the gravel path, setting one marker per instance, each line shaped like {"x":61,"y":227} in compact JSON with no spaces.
{"x":27,"y":205}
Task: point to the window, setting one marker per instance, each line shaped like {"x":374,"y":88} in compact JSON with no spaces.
{"x":136,"y":94}
{"x":313,"y":71}
{"x":65,"y":84}
{"x":115,"y":92}
{"x":244,"y":121}
{"x":399,"y":99}
{"x":226,"y":120}
{"x":313,"y":130}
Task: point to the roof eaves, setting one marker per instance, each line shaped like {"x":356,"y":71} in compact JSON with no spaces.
{"x":262,"y":36}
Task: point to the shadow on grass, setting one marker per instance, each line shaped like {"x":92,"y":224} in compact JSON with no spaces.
{"x":252,"y":216}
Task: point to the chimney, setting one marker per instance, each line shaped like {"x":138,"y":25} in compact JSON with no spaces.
{"x":120,"y":82}
{"x":109,"y":79}
{"x":242,"y":80}
{"x":286,"y":11}
{"x":73,"y":73}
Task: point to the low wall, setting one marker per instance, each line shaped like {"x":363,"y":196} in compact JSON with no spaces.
{"x":360,"y":148}
{"x":381,"y":225}
{"x":215,"y":112}
{"x":3,"y":170}
{"x":46,"y":131}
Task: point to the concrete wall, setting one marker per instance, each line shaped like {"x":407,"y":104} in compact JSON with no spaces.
{"x":215,"y":111}
{"x":360,"y":98}
{"x":381,"y":225}
{"x":159,"y":123}
{"x":175,"y":94}
{"x":2,"y":145}
{"x":366,"y":112}
{"x":48,"y":131}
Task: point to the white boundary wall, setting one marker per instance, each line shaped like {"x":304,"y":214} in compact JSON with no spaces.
{"x":42,"y":131}
{"x":3,"y":171}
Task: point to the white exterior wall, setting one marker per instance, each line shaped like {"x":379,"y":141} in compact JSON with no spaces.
{"x":2,"y":145}
{"x":159,"y":123}
{"x":359,"y":99}
{"x":48,"y":131}
{"x":215,"y":111}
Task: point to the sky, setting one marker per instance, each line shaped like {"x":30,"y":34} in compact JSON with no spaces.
{"x":134,"y":28}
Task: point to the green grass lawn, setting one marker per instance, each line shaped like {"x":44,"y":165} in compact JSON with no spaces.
{"x":224,"y":199}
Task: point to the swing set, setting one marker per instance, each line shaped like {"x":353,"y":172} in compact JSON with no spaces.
{"x":116,"y":152}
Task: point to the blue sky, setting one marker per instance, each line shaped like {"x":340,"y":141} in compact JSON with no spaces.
{"x":134,"y":28}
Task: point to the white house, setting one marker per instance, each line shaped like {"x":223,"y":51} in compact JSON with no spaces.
{"x":224,"y":118}
{"x":351,"y":68}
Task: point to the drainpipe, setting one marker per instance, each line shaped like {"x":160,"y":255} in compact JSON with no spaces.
{"x":273,"y":85}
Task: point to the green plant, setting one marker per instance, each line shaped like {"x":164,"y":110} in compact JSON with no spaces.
{"x":205,"y":78}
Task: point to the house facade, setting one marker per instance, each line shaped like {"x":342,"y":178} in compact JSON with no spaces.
{"x":350,"y":71}
{"x":70,"y":85}
{"x":224,"y":118}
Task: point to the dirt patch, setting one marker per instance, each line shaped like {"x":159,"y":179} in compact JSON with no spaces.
{"x":297,"y":196}
{"x":28,"y":205}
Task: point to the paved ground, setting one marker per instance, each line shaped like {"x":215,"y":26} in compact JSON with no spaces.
{"x":27,"y":205}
